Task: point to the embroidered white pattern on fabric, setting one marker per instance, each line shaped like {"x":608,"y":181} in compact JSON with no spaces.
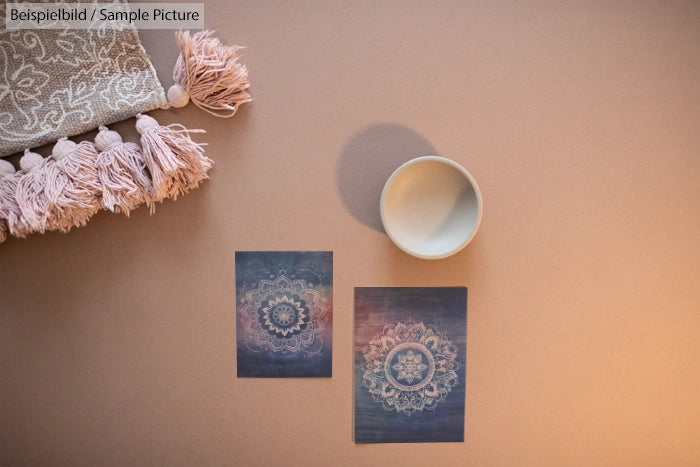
{"x":56,"y":83}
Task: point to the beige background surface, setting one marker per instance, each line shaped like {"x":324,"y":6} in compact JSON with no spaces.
{"x":578,"y":119}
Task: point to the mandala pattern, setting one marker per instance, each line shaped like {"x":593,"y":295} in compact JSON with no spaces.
{"x":409,"y":367}
{"x":58,"y":82}
{"x":283,"y":316}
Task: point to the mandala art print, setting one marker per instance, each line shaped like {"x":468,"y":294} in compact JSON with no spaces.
{"x":284,"y":313}
{"x":410,"y":355}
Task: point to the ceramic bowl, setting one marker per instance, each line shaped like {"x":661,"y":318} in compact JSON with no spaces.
{"x":431,"y":207}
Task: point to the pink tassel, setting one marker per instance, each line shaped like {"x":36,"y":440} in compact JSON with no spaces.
{"x":18,"y":224}
{"x":208,"y":73}
{"x":62,"y":192}
{"x":10,"y":209}
{"x":176,"y":163}
{"x":121,"y":169}
{"x":81,"y":197}
{"x":35,"y":191}
{"x":7,"y":196}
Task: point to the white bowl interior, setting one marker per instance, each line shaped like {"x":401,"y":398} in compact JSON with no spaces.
{"x":431,"y":207}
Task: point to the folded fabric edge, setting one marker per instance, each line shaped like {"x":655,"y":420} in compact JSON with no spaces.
{"x":159,"y":100}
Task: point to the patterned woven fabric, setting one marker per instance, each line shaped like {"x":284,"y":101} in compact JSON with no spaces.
{"x":56,"y":83}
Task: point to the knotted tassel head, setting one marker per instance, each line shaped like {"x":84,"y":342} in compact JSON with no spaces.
{"x":63,"y":148}
{"x":208,"y":73}
{"x":121,"y":169}
{"x":6,"y":168}
{"x":30,"y":160}
{"x":107,"y":138}
{"x":176,"y":163}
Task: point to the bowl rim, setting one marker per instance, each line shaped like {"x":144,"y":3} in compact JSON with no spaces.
{"x":472,"y":182}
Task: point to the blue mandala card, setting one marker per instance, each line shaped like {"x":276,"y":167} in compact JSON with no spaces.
{"x":410,"y":356}
{"x":284,"y":313}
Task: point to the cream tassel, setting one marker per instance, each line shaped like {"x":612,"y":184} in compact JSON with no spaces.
{"x":208,"y":73}
{"x":176,"y":163}
{"x":122,"y":172}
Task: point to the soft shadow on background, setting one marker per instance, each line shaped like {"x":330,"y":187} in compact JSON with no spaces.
{"x":368,"y":159}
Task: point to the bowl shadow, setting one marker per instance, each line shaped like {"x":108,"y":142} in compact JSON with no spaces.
{"x":368,"y":159}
